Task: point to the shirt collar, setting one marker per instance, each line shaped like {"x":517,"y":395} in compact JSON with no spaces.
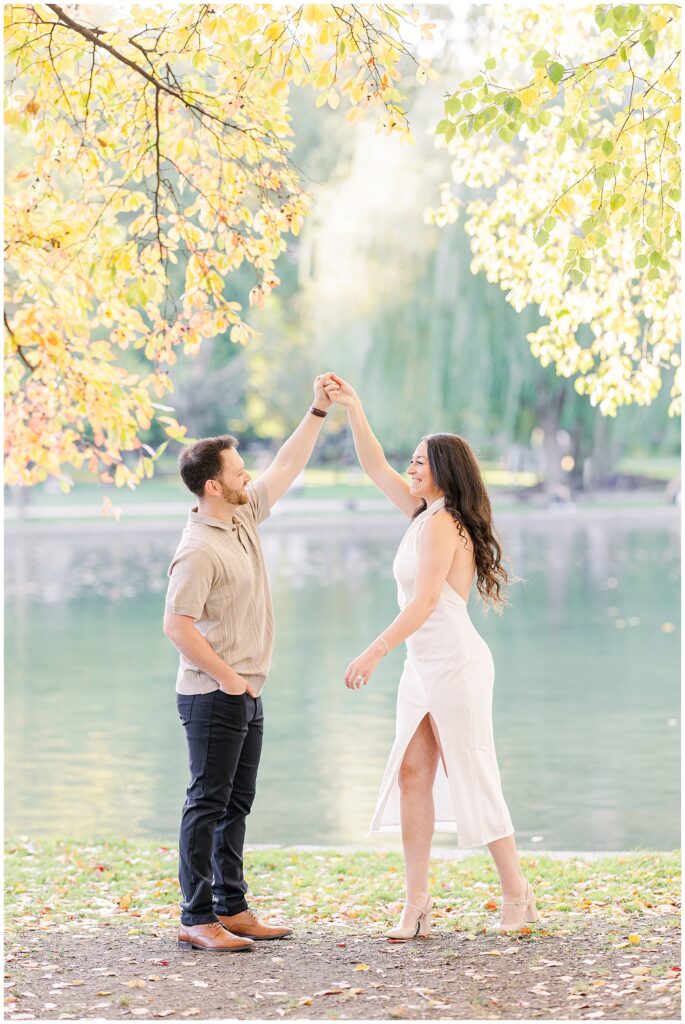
{"x":195,"y":516}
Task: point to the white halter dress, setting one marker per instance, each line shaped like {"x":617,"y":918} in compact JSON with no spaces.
{"x":448,"y":674}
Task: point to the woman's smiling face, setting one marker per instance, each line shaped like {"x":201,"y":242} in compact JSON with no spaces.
{"x":421,"y":482}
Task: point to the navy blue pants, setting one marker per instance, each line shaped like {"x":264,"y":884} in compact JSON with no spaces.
{"x":224,"y":735}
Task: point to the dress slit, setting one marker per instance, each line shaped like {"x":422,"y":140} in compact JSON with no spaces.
{"x":436,"y":736}
{"x":390,"y":794}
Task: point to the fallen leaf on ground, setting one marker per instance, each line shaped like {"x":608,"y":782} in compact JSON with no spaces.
{"x":362,"y":967}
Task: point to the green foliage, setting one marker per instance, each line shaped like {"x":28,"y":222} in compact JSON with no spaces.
{"x":581,"y":167}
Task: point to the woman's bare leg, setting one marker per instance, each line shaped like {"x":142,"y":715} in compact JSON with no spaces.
{"x":510,"y":875}
{"x":416,"y":776}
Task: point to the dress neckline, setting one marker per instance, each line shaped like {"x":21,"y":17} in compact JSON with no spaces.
{"x":435,"y":506}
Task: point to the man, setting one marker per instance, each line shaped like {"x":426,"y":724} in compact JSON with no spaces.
{"x":219,"y":616}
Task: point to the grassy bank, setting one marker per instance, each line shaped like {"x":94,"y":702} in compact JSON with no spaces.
{"x":61,"y":883}
{"x":166,"y":486}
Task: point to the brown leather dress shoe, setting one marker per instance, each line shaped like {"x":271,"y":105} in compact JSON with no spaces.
{"x":211,"y":937}
{"x":248,"y":924}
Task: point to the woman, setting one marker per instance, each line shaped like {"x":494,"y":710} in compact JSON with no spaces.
{"x":442,"y":771}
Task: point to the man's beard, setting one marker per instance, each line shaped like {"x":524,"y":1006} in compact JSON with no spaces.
{"x":232,"y":497}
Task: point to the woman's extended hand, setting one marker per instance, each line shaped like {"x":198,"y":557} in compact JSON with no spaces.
{"x":361,"y":669}
{"x":339,"y":391}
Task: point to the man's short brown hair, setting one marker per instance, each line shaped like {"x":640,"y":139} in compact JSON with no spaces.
{"x":201,"y":461}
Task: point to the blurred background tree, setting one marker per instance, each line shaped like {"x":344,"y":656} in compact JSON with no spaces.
{"x":391,"y":302}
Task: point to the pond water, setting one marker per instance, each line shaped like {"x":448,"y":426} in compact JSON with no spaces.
{"x":586,"y":695}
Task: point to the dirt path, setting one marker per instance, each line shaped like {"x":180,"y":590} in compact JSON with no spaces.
{"x":591,"y":974}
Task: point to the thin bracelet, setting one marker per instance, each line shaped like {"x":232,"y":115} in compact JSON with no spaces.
{"x":385,"y":644}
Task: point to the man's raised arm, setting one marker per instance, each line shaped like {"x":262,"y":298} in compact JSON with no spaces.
{"x":294,"y":454}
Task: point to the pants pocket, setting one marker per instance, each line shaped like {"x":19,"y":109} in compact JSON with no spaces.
{"x":184,"y":705}
{"x":230,"y":708}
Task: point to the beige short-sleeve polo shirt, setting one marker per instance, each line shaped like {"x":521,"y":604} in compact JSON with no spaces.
{"x":218,"y":576}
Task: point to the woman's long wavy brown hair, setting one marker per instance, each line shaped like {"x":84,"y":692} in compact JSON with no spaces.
{"x":456,"y":472}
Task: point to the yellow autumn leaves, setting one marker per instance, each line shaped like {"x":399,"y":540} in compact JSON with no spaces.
{"x":148,"y":162}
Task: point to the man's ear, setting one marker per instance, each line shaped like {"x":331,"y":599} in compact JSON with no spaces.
{"x":211,"y":489}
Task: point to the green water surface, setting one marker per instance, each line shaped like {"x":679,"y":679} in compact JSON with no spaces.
{"x":586,"y":695}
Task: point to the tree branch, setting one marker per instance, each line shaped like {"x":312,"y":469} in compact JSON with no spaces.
{"x":152,"y":79}
{"x":29,"y":365}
